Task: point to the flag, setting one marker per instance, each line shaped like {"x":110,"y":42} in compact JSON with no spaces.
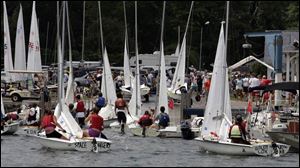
{"x":249,"y":108}
{"x":171,"y":104}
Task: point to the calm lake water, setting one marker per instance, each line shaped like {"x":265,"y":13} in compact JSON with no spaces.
{"x":130,"y":151}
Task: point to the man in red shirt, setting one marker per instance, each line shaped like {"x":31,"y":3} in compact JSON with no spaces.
{"x":145,"y":121}
{"x":264,"y":81}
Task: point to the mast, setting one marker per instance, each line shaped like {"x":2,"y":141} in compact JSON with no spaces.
{"x":161,"y":52}
{"x":137,"y":74}
{"x":102,"y":48}
{"x":225,"y":54}
{"x":58,"y":58}
{"x":82,"y":51}
{"x":126,"y":33}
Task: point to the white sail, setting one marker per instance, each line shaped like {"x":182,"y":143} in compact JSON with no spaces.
{"x":179,"y":75}
{"x":20,"y":56}
{"x":134,"y":105}
{"x":163,"y":96}
{"x":71,"y":85}
{"x":214,"y":111}
{"x":67,"y":120}
{"x":2,"y":106}
{"x":108,"y":88}
{"x":8,"y":64}
{"x":227,"y":120}
{"x":127,"y":73}
{"x":34,"y":53}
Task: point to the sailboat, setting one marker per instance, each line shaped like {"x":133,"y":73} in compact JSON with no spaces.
{"x":107,"y":87}
{"x":109,"y":92}
{"x":8,"y":65}
{"x":20,"y":57}
{"x":179,"y":74}
{"x":217,"y":118}
{"x":34,"y":54}
{"x":9,"y":128}
{"x":136,"y":129}
{"x":128,"y":77}
{"x":73,"y":131}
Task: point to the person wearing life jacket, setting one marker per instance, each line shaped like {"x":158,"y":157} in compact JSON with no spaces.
{"x":163,"y":118}
{"x":49,"y":123}
{"x":33,"y":118}
{"x":96,"y":124}
{"x":101,"y":101}
{"x":145,"y":121}
{"x":237,"y":132}
{"x":80,"y":111}
{"x":120,"y":106}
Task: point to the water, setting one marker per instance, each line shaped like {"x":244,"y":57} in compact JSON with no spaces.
{"x":131,"y":151}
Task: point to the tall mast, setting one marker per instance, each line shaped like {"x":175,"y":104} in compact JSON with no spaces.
{"x":102,"y":48}
{"x":137,"y":85}
{"x":225,"y":53}
{"x":161,"y":52}
{"x":126,"y":31}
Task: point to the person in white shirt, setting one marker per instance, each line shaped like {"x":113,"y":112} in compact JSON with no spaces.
{"x":33,"y":118}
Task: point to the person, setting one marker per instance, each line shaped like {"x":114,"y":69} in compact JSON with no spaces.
{"x":2,"y":121}
{"x":239,"y":87}
{"x":49,"y":122}
{"x":163,"y":118}
{"x":13,"y":116}
{"x":120,"y":105}
{"x":80,"y":111}
{"x":96,"y":124}
{"x":145,"y":121}
{"x":237,"y":132}
{"x":72,"y":110}
{"x":101,"y":101}
{"x":33,"y":118}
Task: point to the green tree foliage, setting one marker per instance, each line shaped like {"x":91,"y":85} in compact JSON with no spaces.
{"x":245,"y":16}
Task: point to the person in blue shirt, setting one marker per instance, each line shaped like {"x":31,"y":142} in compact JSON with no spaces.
{"x":101,"y":101}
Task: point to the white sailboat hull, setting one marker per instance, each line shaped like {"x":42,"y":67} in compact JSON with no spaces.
{"x":143,"y":90}
{"x":84,"y":145}
{"x":10,"y":128}
{"x":28,"y":130}
{"x":171,"y":132}
{"x":256,"y":149}
{"x":136,"y":130}
{"x":171,"y":93}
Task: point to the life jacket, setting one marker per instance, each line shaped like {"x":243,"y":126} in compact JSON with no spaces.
{"x":100,"y":102}
{"x":235,"y":132}
{"x":96,"y":122}
{"x":47,"y":121}
{"x":80,"y":107}
{"x":120,"y":103}
{"x":164,"y":120}
{"x":145,"y":120}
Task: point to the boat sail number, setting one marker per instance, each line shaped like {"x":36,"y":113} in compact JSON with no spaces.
{"x":83,"y":145}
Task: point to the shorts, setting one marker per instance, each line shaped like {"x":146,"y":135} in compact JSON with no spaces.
{"x":245,"y":89}
{"x":54,"y":134}
{"x":121,"y":117}
{"x":93,"y":133}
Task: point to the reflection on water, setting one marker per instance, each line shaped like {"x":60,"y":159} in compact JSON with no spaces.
{"x":127,"y":150}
